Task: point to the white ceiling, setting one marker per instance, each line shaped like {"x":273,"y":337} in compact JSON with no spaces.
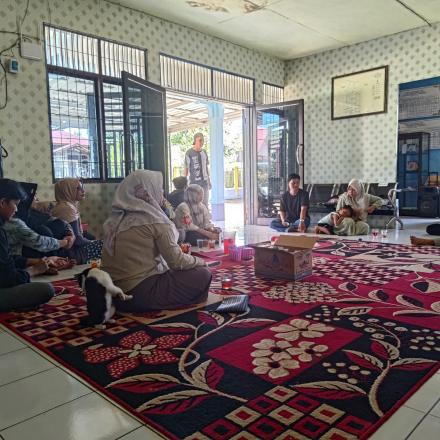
{"x":293,"y":28}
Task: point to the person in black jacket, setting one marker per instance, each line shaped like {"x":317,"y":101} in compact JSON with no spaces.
{"x":16,"y":290}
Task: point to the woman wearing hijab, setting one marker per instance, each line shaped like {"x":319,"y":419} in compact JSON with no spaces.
{"x":362,"y":205}
{"x":141,"y":253}
{"x":193,"y":218}
{"x":68,"y":193}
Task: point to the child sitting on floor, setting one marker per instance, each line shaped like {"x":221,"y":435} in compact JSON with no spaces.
{"x":329,"y":224}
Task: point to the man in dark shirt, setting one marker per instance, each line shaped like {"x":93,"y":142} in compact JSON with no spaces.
{"x":293,"y":208}
{"x":16,"y":290}
{"x":197,"y":166}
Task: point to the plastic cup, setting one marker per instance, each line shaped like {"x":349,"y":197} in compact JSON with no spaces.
{"x":384,"y":233}
{"x":228,"y":240}
{"x":375,"y":232}
{"x":211,"y":244}
{"x":205,"y":243}
{"x":200,"y":243}
{"x":186,"y":248}
{"x":227,"y":282}
{"x":95,"y":264}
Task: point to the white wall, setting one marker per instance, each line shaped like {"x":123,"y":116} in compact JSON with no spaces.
{"x":363,"y":147}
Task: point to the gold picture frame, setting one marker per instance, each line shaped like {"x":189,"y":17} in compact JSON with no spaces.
{"x":360,"y":93}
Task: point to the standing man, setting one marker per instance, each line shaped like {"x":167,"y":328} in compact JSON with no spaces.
{"x":293,"y":208}
{"x":197,"y":166}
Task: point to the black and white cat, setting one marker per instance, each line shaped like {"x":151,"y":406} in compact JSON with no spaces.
{"x":100,"y":291}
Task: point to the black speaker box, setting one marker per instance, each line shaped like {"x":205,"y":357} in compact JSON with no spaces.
{"x":429,"y":201}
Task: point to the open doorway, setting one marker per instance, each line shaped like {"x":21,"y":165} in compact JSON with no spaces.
{"x":222,"y":128}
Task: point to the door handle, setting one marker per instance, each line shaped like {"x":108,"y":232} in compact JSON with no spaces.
{"x":299,"y":154}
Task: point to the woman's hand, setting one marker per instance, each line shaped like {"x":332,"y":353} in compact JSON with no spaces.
{"x":56,"y":261}
{"x":371,"y":209}
{"x":214,"y":236}
{"x":39,"y":267}
{"x":70,"y":240}
{"x":285,"y":224}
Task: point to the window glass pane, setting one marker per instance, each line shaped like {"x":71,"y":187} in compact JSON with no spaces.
{"x":73,"y":127}
{"x":71,"y":50}
{"x":272,"y":94}
{"x":114,"y":131}
{"x":184,"y":76}
{"x":117,"y":57}
{"x":233,"y":87}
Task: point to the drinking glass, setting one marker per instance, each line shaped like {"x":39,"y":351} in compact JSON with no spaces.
{"x":228,"y":240}
{"x":375,"y":232}
{"x":186,"y":248}
{"x":227,"y":282}
{"x":384,"y":233}
{"x":211,"y":244}
{"x":200,"y":243}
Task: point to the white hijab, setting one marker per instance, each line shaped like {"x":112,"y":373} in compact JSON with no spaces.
{"x":193,"y":197}
{"x":360,"y":202}
{"x":137,"y":202}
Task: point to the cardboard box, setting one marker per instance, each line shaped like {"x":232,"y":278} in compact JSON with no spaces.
{"x":289,"y":258}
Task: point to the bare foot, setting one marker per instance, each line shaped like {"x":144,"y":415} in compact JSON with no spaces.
{"x":321,"y":230}
{"x":421,"y":241}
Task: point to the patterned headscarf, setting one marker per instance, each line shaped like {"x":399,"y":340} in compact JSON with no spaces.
{"x":65,"y":195}
{"x":137,"y":202}
{"x":193,"y":197}
{"x":359,"y":203}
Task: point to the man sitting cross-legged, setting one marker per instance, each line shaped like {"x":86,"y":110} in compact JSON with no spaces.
{"x":293,"y":208}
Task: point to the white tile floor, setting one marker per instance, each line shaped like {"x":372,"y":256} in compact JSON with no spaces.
{"x":40,"y":400}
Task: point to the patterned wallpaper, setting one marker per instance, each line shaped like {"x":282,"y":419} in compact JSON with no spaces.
{"x":363,"y":147}
{"x":24,"y":123}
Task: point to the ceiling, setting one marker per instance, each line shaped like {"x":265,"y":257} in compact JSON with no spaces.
{"x":293,"y":28}
{"x":184,"y":112}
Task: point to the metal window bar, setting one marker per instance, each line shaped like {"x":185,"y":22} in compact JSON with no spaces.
{"x":272,"y":94}
{"x":76,"y":51}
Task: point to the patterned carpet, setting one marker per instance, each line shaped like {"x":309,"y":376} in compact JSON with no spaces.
{"x":329,"y":357}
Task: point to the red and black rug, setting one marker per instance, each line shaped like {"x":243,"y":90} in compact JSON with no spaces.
{"x":328,"y":357}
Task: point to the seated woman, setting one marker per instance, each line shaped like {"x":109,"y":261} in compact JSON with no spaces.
{"x":16,"y":290}
{"x":362,"y":205}
{"x":418,"y":241}
{"x":68,"y":194}
{"x":141,"y":253}
{"x":193,"y":219}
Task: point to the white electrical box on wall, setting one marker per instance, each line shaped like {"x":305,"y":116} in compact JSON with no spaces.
{"x":32,"y":51}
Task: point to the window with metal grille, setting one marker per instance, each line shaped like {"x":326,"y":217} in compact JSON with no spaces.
{"x":85,"y":102}
{"x":272,"y":94}
{"x":196,"y":79}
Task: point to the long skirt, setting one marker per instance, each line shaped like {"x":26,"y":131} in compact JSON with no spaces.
{"x":170,"y":290}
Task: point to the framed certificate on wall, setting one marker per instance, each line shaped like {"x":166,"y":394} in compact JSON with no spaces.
{"x":360,"y":93}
